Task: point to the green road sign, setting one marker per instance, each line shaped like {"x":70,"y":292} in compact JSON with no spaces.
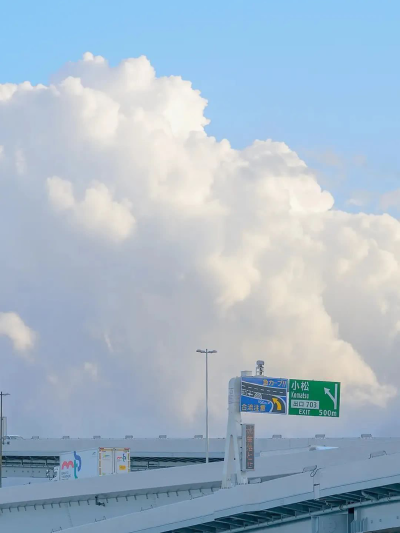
{"x":313,"y":398}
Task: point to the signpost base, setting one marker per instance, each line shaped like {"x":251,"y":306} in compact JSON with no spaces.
{"x":232,"y":471}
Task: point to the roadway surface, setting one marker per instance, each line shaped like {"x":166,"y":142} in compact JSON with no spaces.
{"x":292,"y":490}
{"x":169,"y":448}
{"x":34,"y":457}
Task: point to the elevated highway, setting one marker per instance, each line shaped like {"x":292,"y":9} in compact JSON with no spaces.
{"x":353,"y":488}
{"x":34,"y":457}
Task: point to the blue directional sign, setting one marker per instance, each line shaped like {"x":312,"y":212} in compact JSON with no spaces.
{"x":262,"y":394}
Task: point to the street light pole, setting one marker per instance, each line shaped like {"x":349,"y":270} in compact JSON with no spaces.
{"x":206,"y":351}
{"x":1,"y":433}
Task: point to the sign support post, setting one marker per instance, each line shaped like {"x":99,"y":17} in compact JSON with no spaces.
{"x":232,"y":472}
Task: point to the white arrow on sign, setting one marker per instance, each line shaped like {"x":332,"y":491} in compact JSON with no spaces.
{"x":333,"y":398}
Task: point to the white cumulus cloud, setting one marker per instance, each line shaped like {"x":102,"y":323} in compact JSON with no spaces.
{"x":97,"y":213}
{"x":13,"y":327}
{"x":237,"y":250}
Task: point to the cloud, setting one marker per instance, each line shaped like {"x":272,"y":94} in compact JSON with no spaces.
{"x":73,"y":380}
{"x":13,"y":327}
{"x":360,"y":198}
{"x":390,"y":199}
{"x":133,"y":238}
{"x":97,"y":213}
{"x":91,"y":369}
{"x":327,"y":157}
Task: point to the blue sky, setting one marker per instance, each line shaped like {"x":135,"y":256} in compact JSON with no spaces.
{"x":321,"y":76}
{"x":85,"y":276}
